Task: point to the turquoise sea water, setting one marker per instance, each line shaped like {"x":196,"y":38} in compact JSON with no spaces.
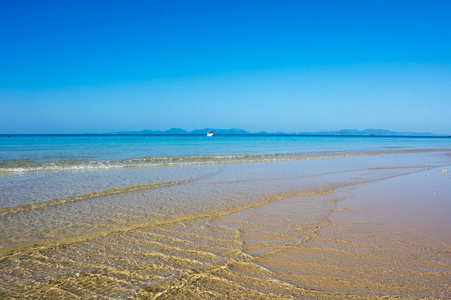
{"x":26,"y":153}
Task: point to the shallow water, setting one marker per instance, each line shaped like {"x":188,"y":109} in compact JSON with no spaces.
{"x":259,"y":229}
{"x":38,"y":153}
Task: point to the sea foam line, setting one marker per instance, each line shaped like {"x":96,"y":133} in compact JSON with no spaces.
{"x":59,"y":166}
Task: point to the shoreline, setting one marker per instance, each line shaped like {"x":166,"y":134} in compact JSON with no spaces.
{"x":322,"y":240}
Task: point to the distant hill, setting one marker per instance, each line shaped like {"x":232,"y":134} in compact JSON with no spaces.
{"x":220,"y":131}
{"x":368,"y":132}
{"x":181,"y":131}
{"x":343,"y":132}
{"x":169,"y":131}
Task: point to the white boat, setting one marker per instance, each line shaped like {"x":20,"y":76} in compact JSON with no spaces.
{"x":210,"y":133}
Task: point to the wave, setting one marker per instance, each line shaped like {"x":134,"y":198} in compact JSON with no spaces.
{"x":75,"y":165}
{"x":86,"y":165}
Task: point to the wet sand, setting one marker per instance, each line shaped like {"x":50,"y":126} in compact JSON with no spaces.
{"x":419,"y":201}
{"x":348,"y":239}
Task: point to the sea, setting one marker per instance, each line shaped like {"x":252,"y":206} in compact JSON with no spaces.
{"x":197,"y":217}
{"x":43,"y":153}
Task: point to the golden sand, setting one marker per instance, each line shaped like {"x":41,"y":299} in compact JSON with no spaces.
{"x":328,"y":244}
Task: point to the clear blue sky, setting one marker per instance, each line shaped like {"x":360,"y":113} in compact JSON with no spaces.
{"x":101,"y":66}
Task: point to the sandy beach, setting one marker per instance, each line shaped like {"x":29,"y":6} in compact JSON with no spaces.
{"x":349,"y":228}
{"x":225,"y":150}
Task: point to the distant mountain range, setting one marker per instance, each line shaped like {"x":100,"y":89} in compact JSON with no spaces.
{"x":344,"y":132}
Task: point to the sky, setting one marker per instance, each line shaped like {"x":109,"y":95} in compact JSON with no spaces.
{"x":293,"y":66}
